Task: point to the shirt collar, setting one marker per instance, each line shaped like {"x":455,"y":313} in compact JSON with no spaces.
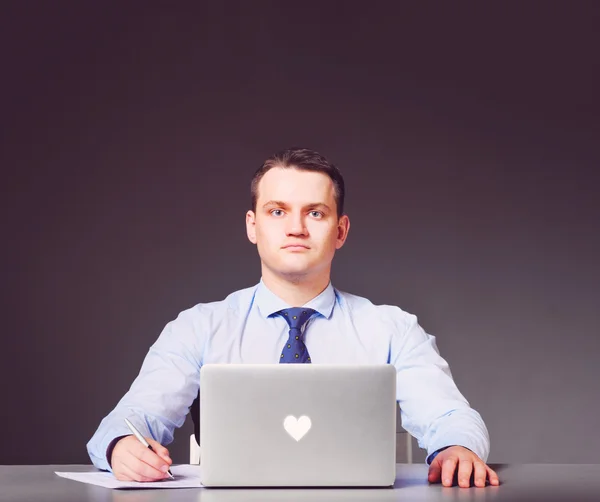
{"x":268,"y":302}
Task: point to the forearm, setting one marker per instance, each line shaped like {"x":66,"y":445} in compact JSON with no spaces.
{"x":113,"y":426}
{"x":463,"y":427}
{"x":160,"y":396}
{"x":433,"y":409}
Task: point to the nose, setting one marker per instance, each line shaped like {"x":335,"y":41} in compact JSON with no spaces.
{"x":296,"y":225}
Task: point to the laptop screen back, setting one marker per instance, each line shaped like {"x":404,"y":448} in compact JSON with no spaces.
{"x":297,"y":425}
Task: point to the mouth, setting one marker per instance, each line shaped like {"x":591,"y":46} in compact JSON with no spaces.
{"x":296,"y":247}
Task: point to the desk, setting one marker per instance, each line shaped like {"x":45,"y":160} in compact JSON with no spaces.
{"x":520,"y":483}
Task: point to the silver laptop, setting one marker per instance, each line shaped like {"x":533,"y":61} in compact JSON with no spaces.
{"x":297,"y":425}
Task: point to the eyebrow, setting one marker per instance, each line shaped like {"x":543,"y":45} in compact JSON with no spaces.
{"x":311,"y":205}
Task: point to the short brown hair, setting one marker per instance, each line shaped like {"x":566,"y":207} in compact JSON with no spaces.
{"x":305,"y":160}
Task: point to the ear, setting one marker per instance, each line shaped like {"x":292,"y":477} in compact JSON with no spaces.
{"x":251,"y":226}
{"x":342,"y":231}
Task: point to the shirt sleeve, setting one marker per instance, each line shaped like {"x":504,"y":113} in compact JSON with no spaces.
{"x":432,"y":408}
{"x":161,"y":395}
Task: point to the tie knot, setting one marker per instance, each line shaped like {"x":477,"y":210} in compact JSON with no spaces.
{"x":296,"y":316}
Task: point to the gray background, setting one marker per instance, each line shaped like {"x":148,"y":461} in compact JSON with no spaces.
{"x":468,"y":138}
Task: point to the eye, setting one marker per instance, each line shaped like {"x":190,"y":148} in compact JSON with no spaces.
{"x":276,"y":212}
{"x":316,"y":214}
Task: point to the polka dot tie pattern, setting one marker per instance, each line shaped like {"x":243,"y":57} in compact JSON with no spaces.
{"x":294,"y":350}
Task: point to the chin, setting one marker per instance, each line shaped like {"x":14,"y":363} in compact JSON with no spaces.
{"x":294,"y":270}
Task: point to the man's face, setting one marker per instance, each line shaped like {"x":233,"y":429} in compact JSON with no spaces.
{"x":295,"y":227}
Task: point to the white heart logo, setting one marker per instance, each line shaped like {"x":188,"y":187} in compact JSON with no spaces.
{"x":297,"y":428}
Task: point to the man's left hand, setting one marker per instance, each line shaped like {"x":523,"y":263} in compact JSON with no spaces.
{"x":448,"y":461}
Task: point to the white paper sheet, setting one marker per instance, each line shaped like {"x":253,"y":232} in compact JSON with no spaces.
{"x":186,"y":476}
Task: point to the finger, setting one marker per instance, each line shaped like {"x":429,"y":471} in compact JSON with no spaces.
{"x":150,"y":457}
{"x":465,"y":469}
{"x":145,"y":463}
{"x":122,"y":472}
{"x":160,"y":450}
{"x":480,"y":474}
{"x":140,"y":471}
{"x":493,"y":477}
{"x":125,"y":473}
{"x":448,"y":470}
{"x":151,"y":465}
{"x":435,"y":471}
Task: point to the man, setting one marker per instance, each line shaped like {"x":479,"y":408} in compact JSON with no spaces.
{"x":297,"y":222}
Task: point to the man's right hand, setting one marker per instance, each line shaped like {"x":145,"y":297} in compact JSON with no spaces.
{"x":132,"y":461}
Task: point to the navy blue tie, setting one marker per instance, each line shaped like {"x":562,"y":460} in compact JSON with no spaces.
{"x":294,"y":351}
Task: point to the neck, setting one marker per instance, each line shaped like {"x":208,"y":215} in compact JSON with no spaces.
{"x":295,"y":290}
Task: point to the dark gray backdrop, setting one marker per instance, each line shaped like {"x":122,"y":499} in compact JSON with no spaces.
{"x":468,"y":137}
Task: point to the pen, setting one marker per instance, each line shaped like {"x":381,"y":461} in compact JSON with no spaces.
{"x":138,"y":435}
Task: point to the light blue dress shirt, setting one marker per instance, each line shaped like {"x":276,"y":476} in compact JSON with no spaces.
{"x":348,"y":329}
